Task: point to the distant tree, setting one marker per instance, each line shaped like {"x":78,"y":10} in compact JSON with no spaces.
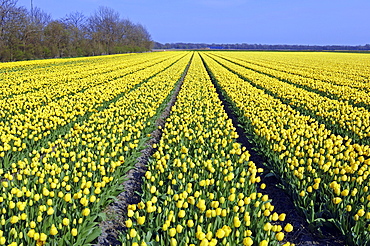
{"x":13,"y":23}
{"x":7,"y":12}
{"x":56,"y":39}
{"x":31,"y":35}
{"x":75,"y":24}
{"x":136,"y":35}
{"x":111,"y":34}
{"x":144,"y":38}
{"x":104,"y":29}
{"x":34,"y":36}
{"x":76,"y":20}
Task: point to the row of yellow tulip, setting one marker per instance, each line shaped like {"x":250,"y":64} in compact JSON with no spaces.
{"x":21,"y":77}
{"x":38,"y":85}
{"x":52,"y":93}
{"x":35,"y":64}
{"x":337,"y":68}
{"x":326,"y":174}
{"x":342,"y":117}
{"x":355,"y":96}
{"x":13,"y":70}
{"x":200,"y":187}
{"x":22,"y":131}
{"x":54,"y":196}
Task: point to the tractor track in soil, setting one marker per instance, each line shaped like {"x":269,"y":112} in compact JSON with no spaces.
{"x":301,"y":235}
{"x":132,"y":186}
{"x":282,"y":202}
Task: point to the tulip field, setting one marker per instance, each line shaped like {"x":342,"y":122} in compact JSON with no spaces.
{"x":71,"y":129}
{"x":63,"y":158}
{"x":316,"y":137}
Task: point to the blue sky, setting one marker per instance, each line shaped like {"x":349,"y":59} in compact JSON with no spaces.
{"x":321,"y":22}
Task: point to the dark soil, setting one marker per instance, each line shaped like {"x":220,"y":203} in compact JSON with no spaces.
{"x":282,"y":202}
{"x":116,"y":212}
{"x":301,"y":235}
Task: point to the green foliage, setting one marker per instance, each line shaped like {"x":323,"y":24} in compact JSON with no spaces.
{"x":23,"y":37}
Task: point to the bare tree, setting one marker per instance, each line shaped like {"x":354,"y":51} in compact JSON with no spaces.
{"x":7,"y":10}
{"x":56,"y":38}
{"x":25,"y":35}
{"x":34,"y":35}
{"x":76,"y":27}
{"x":13,"y":24}
{"x":104,"y":28}
{"x":136,"y":35}
{"x":40,"y":18}
{"x":75,"y":19}
{"x":142,"y":37}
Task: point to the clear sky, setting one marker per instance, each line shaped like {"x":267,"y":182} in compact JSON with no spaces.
{"x":321,"y":22}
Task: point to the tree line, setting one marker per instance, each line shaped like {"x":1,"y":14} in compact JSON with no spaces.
{"x":245,"y":46}
{"x":34,"y":34}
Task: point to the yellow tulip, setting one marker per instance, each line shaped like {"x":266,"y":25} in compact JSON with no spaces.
{"x":173,"y":242}
{"x":74,"y":232}
{"x":133,"y":233}
{"x":279,"y":236}
{"x":288,"y":228}
{"x":65,"y":221}
{"x":247,"y":241}
{"x":14,"y":219}
{"x":263,"y":243}
{"x":220,"y":233}
{"x":31,"y":233}
{"x":140,"y":220}
{"x":172,"y":232}
{"x":190,"y":223}
{"x":53,"y":230}
{"x":181,"y":214}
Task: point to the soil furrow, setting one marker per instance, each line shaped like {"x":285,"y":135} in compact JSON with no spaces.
{"x":282,"y":202}
{"x":132,"y":186}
